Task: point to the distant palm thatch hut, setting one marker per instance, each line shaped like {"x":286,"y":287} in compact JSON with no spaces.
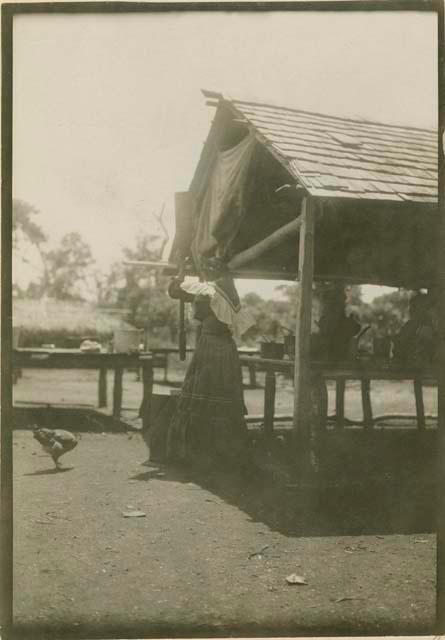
{"x":63,"y":323}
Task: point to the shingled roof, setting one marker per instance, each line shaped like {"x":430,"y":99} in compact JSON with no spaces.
{"x":337,"y":157}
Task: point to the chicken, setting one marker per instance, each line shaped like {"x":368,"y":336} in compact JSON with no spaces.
{"x":56,"y":442}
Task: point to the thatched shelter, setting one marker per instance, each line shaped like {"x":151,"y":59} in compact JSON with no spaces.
{"x":62,"y":322}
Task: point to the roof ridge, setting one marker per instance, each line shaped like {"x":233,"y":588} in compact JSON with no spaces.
{"x":326,"y":115}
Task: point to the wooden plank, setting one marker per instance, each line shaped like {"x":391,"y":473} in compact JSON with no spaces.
{"x":340,"y":403}
{"x":102,"y":389}
{"x":254,"y":418}
{"x":273,"y":240}
{"x":368,"y":420}
{"x":147,"y":382}
{"x":117,"y":392}
{"x":40,"y":359}
{"x":166,"y":365}
{"x":252,"y":376}
{"x":420,"y":410}
{"x":337,"y":193}
{"x":269,"y":402}
{"x":302,"y":368}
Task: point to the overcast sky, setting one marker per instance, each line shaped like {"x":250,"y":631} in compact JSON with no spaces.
{"x":109,"y":120}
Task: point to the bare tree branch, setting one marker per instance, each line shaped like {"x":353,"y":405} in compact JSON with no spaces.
{"x":166,"y":238}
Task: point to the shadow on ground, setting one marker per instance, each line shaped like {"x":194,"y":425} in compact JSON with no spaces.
{"x":49,"y":472}
{"x":376,"y":482}
{"x":368,"y":484}
{"x":84,"y":420}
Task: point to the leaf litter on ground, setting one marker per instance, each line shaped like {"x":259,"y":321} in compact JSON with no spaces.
{"x":293,"y":578}
{"x":348,"y":598}
{"x":259,"y":553}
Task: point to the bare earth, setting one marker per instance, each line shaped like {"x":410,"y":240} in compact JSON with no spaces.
{"x":187,"y":566}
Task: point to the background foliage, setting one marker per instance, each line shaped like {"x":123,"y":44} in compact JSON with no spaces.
{"x":68,"y":272}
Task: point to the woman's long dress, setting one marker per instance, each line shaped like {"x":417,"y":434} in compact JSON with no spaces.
{"x":209,"y":422}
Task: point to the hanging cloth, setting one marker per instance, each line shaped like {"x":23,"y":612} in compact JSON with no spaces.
{"x":222,"y":208}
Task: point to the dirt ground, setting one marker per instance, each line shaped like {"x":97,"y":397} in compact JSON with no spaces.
{"x":212,"y":553}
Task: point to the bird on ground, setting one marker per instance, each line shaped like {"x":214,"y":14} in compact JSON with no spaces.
{"x":55,"y":442}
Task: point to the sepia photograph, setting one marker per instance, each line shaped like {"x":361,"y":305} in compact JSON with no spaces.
{"x":223,"y":414}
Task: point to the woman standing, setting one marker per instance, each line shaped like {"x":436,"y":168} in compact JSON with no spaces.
{"x":209,"y":424}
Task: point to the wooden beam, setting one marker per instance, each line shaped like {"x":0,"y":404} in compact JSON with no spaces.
{"x":302,"y":390}
{"x":171,"y":268}
{"x":275,"y":238}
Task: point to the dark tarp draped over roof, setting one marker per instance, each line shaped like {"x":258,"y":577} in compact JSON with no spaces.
{"x":377,"y":183}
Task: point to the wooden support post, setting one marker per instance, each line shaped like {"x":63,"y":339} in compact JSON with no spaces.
{"x":320,"y":403}
{"x":269,"y":402}
{"x":420,"y":409}
{"x":340,"y":385}
{"x":166,"y":368}
{"x":182,"y":333}
{"x":147,"y":382}
{"x":302,"y":395}
{"x":252,"y":376}
{"x":102,"y":390}
{"x":368,"y":420}
{"x":117,"y":392}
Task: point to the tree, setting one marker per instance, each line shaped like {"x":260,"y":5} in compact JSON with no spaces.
{"x":23,"y":223}
{"x":273,"y":318}
{"x":388,"y":313}
{"x":68,"y":274}
{"x":143,"y":293}
{"x":28,"y":240}
{"x":64,"y":272}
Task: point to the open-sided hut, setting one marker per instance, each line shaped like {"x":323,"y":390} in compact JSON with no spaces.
{"x":287,"y":194}
{"x":374,"y":187}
